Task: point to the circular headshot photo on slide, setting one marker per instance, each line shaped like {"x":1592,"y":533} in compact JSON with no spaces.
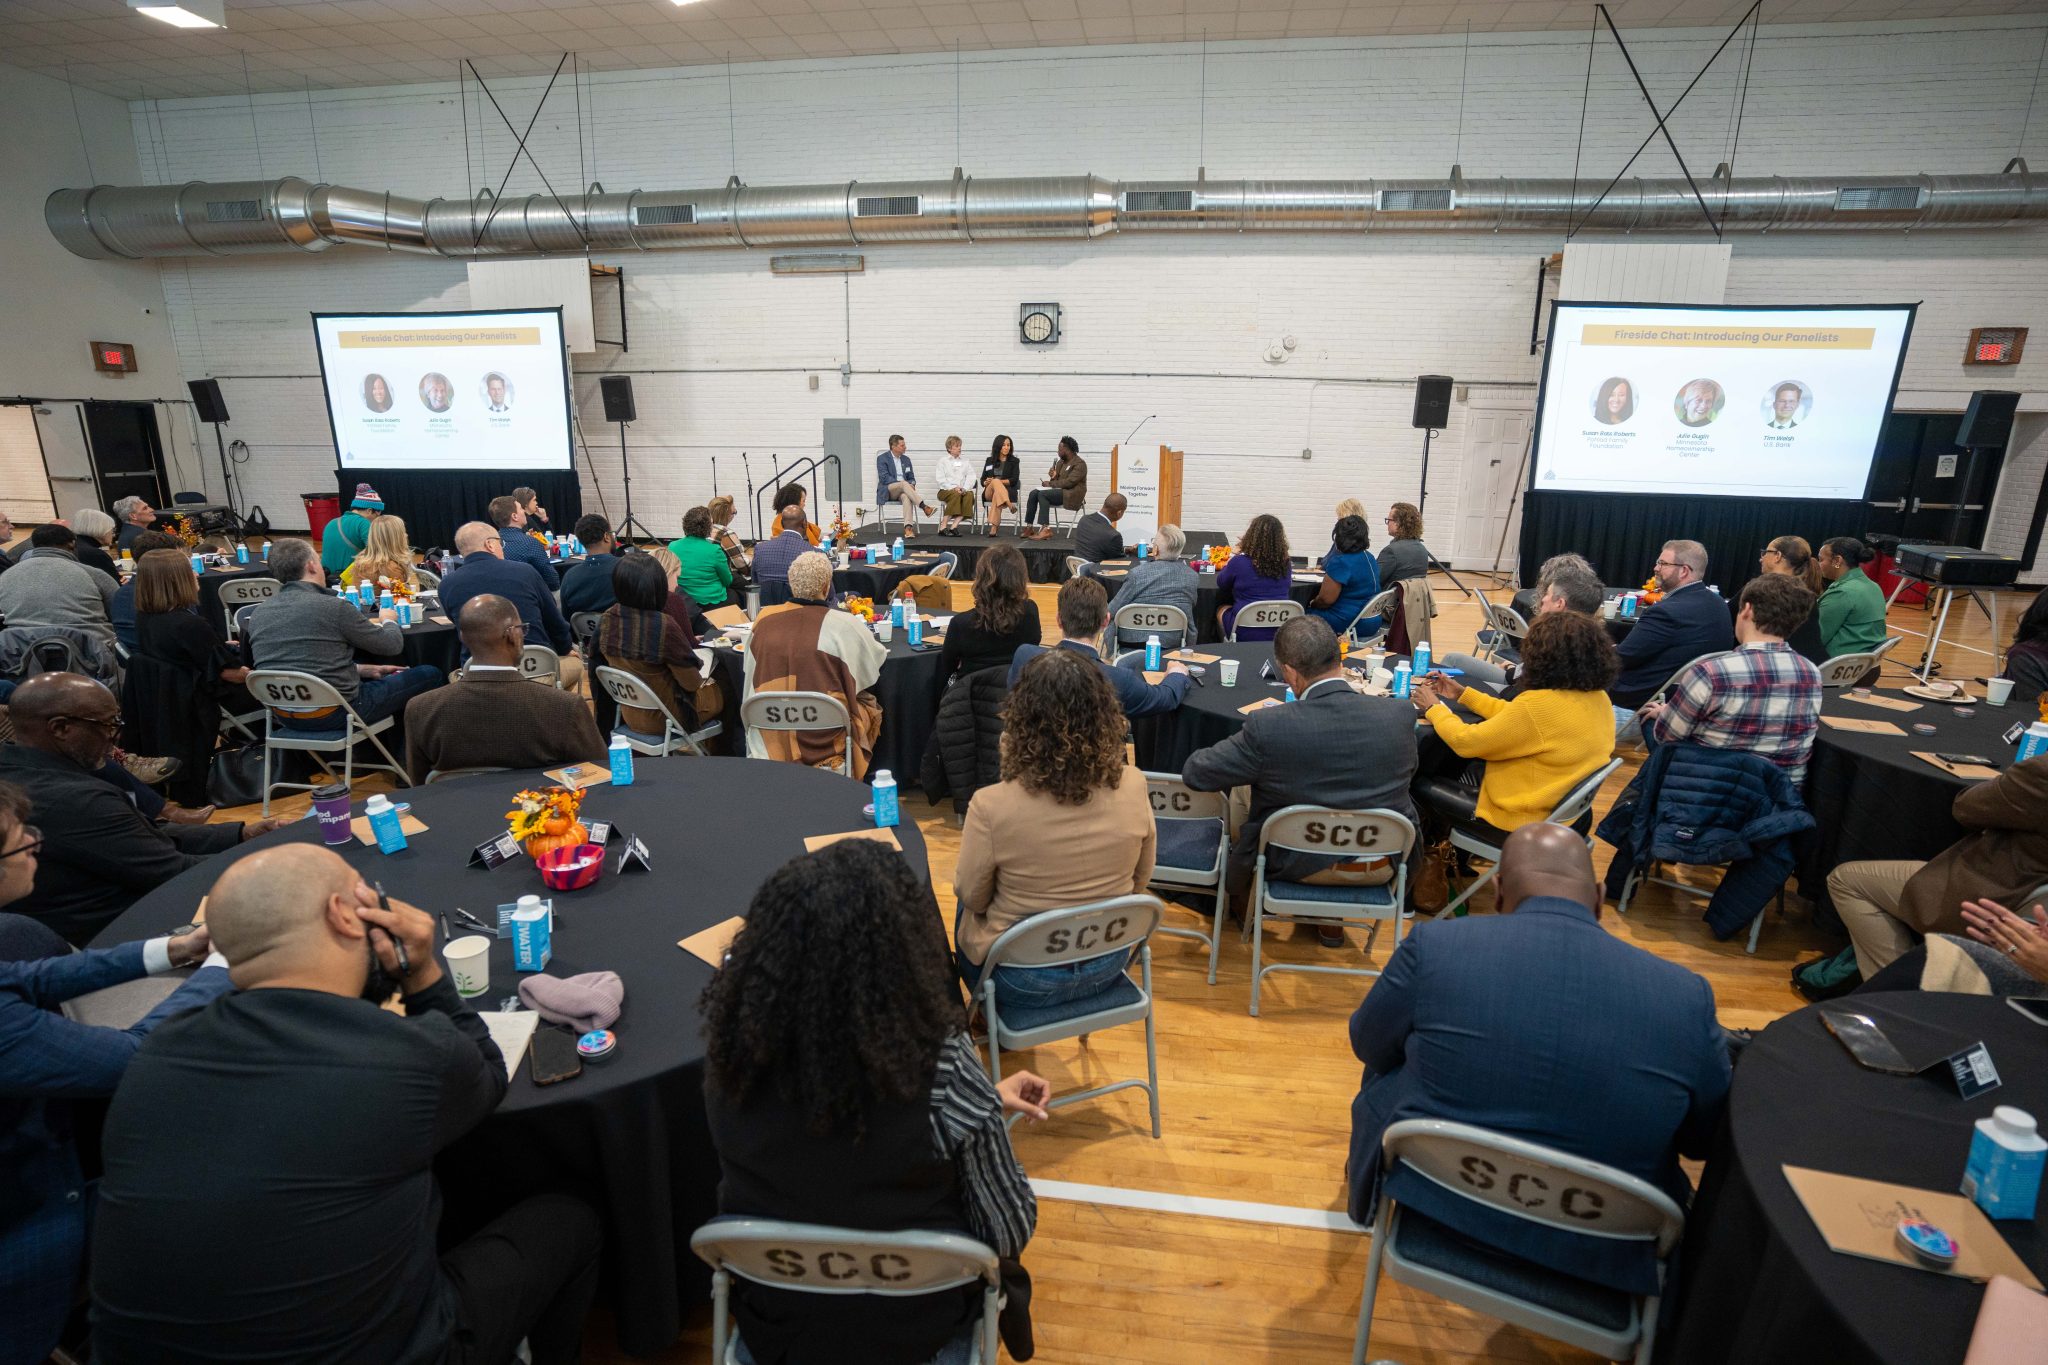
{"x":1786,"y":404}
{"x":436,"y":392}
{"x":1614,"y":402}
{"x":376,"y":393}
{"x":1699,"y":402}
{"x":497,"y":392}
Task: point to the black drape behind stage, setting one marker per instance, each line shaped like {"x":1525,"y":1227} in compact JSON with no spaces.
{"x":436,"y":501}
{"x":1621,"y":533}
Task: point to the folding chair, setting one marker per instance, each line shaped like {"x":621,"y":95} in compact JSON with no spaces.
{"x":1567,"y":812}
{"x":1706,"y":893}
{"x":1847,"y":670}
{"x":1382,"y":605}
{"x":1136,"y":620}
{"x":1078,"y":565}
{"x":1054,"y":938}
{"x":1373,"y":833}
{"x":1264,"y":615}
{"x":1630,"y":731}
{"x":295,"y":693}
{"x":426,"y":578}
{"x":808,"y":1258}
{"x":538,"y":663}
{"x":238,"y":593}
{"x":801,"y":713}
{"x":626,"y":690}
{"x":1503,"y":623}
{"x":948,"y":564}
{"x":1532,"y":1182}
{"x":1193,"y":848}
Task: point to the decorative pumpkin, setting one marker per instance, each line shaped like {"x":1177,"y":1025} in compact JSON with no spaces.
{"x":556,"y":833}
{"x":544,"y":821}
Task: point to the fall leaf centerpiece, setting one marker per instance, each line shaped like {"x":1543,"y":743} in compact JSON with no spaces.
{"x":840,"y":532}
{"x":547,"y":820}
{"x":863,"y":607}
{"x":1219,"y":555}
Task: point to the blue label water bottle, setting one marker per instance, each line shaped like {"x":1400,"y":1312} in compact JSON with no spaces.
{"x":896,"y":612}
{"x":387,"y":602}
{"x":2007,"y":1156}
{"x":1421,"y":658}
{"x":622,"y":762}
{"x":266,"y":552}
{"x":405,"y":613}
{"x":1151,"y":653}
{"x":1289,"y":696}
{"x":885,"y":799}
{"x":2034,"y":742}
{"x":896,"y":552}
{"x":241,"y":554}
{"x":384,"y":824}
{"x":1403,"y":675}
{"x":913,"y":629}
{"x":1144,"y":548}
{"x":198,"y":563}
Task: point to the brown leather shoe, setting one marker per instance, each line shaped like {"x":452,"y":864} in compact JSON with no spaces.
{"x":186,"y":815}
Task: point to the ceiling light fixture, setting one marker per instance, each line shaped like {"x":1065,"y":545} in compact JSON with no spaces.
{"x":680,"y":3}
{"x":185,"y":13}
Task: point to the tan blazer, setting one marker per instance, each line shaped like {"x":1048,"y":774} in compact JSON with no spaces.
{"x":1022,"y":852}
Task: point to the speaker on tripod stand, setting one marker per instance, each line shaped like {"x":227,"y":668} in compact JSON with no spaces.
{"x":213,"y":410}
{"x":1432,"y":414}
{"x":618,"y":407}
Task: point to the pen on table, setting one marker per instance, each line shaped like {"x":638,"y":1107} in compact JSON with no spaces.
{"x":446,"y":932}
{"x":397,"y":944}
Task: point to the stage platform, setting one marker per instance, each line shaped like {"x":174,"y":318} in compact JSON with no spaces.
{"x":1044,"y":560}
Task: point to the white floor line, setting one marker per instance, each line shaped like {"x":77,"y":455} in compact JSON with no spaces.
{"x":1200,"y":1206}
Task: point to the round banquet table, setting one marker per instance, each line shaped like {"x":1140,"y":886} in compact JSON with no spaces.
{"x":210,"y":585}
{"x":1306,"y":585}
{"x":1758,"y":1283}
{"x":428,"y":642}
{"x":1870,"y":797}
{"x":631,"y":1129}
{"x":1208,"y":714}
{"x":877,"y":581}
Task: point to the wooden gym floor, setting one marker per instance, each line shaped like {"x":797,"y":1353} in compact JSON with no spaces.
{"x":1127,"y":1267}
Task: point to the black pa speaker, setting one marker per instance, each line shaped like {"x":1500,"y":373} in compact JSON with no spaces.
{"x":206,"y":397}
{"x":618,"y":397}
{"x":1988,"y":419}
{"x":1432,"y":401}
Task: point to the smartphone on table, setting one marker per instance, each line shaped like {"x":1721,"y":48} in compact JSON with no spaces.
{"x":553,"y":1055}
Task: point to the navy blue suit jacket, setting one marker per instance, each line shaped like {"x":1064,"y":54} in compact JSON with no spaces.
{"x":518,"y":584}
{"x":905,"y":473}
{"x":522,"y":548}
{"x":1133,"y":693}
{"x":1691,"y":622}
{"x":1543,"y":1026}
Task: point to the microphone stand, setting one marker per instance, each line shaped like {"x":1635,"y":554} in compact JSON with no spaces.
{"x":753,"y":512}
{"x":1136,"y":429}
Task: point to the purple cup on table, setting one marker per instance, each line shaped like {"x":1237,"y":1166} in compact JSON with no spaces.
{"x":331,"y":804}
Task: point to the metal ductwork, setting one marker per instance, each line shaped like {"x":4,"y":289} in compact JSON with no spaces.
{"x":249,"y":216}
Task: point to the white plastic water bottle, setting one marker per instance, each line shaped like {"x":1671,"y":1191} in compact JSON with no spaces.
{"x":896,"y":552}
{"x":1403,"y":676}
{"x":1151,"y":653}
{"x":387,"y":603}
{"x":885,"y":798}
{"x":2034,"y":742}
{"x":2007,"y":1155}
{"x":896,"y":609}
{"x":405,"y":612}
{"x":622,"y":762}
{"x":1421,"y":657}
{"x":384,"y":823}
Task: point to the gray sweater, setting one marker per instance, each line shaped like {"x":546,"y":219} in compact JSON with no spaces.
{"x":308,"y":629}
{"x":1158,"y":583}
{"x":1402,"y":560}
{"x":49,"y":587}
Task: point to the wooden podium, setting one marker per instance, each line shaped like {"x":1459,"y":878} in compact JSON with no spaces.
{"x":1150,"y":485}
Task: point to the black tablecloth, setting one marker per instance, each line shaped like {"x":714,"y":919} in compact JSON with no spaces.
{"x":210,"y":584}
{"x":428,"y":642}
{"x":1209,"y":713}
{"x":908,"y":689}
{"x":877,"y":581}
{"x":1206,"y":629}
{"x":1758,"y":1283}
{"x":632,"y":1126}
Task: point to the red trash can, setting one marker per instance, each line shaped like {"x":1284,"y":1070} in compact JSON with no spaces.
{"x":321,"y":508}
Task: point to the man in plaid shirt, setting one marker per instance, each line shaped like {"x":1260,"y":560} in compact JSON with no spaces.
{"x":1763,"y":697}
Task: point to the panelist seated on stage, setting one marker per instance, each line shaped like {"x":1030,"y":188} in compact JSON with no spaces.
{"x":1164,"y":580}
{"x":316,"y":1117}
{"x":1095,"y":535}
{"x":518,"y":544}
{"x":491,"y":716}
{"x":1083,"y":611}
{"x":1691,"y":620}
{"x":1065,"y":487}
{"x":896,"y":481}
{"x":1601,"y":1050}
{"x":956,"y":488}
{"x":999,"y":476}
{"x":485,"y":569}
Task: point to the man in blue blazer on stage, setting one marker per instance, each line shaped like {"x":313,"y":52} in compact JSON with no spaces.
{"x":1540,"y":1025}
{"x":896,"y":481}
{"x":1691,"y":620}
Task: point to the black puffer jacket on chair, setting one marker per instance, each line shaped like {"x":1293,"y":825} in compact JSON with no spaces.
{"x":965,"y":753}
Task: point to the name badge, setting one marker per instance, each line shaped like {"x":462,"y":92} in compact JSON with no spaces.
{"x":634,"y":856}
{"x":492,"y":852}
{"x":600,"y":832}
{"x":1971,"y":1070}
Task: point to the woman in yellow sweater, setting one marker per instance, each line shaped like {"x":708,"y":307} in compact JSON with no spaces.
{"x":1554,"y":729}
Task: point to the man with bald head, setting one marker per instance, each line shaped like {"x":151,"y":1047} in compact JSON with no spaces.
{"x":290,"y":1130}
{"x":484,"y":569}
{"x":99,"y":855}
{"x":491,"y":716}
{"x":1538,"y":1024}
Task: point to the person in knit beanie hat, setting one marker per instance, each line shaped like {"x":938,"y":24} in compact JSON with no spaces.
{"x":348,"y":533}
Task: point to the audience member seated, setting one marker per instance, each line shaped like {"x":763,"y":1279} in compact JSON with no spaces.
{"x":1566,"y":582}
{"x":207,"y":671}
{"x":704,"y":569}
{"x":536,"y":515}
{"x":1083,"y":610}
{"x":803,"y":645}
{"x":1405,"y":556}
{"x":1163,"y":580}
{"x":1070,"y":823}
{"x":772,"y":557}
{"x":1554,"y":732}
{"x":1332,"y":747}
{"x":99,"y":855}
{"x":1003,"y":617}
{"x":136,"y":516}
{"x":307,"y":629}
{"x":386,"y":558}
{"x":121,"y":610}
{"x":50,"y":587}
{"x":1600,"y":1049}
{"x":588,"y":586}
{"x":491,"y":716}
{"x":2003,"y":954}
{"x":681,"y":607}
{"x":1350,"y":507}
{"x":517,"y":545}
{"x":1761,"y":697}
{"x":841,"y":1088}
{"x":2026,"y":663}
{"x":1260,"y":571}
{"x":95,"y":531}
{"x":1690,"y":621}
{"x":721,"y":510}
{"x":46,"y":1061}
{"x":1791,"y":557}
{"x":797,"y":496}
{"x":1095,"y":535}
{"x":485,"y":568}
{"x":1851,"y":610}
{"x":637,"y":635}
{"x":343,"y":538}
{"x":2003,"y":858}
{"x":1065,"y":487}
{"x":1351,"y":578}
{"x":318,"y":1116}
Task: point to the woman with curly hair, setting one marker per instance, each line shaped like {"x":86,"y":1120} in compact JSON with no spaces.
{"x":841,"y":1088}
{"x":1537,"y":745}
{"x":1002,"y":618}
{"x":1258,"y":572}
{"x":1069,"y":823}
{"x":1405,"y":556}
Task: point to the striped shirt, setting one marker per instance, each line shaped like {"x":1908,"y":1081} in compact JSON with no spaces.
{"x":1763,"y":698}
{"x":968,"y":1129}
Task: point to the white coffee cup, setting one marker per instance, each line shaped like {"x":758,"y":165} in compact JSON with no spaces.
{"x":884,"y":629}
{"x":1611,"y":608}
{"x":1998,"y":691}
{"x":1228,"y":668}
{"x":469,"y":962}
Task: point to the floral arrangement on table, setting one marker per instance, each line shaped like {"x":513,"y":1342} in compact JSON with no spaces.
{"x":840,"y":532}
{"x":187,"y":534}
{"x":1652,"y":593}
{"x":1219,"y":555}
{"x":541,"y":821}
{"x":863,"y":607}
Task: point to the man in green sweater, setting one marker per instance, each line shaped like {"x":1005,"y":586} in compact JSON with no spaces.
{"x":346,"y":535}
{"x":1851,"y":609}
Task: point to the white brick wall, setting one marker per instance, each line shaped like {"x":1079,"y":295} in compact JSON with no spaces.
{"x":1153,"y":324}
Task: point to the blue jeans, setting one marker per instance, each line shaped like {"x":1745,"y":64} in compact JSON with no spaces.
{"x":1035,"y":987}
{"x":377,"y":698}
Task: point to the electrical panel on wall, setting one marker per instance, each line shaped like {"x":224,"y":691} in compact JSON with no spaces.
{"x":1038,"y":324}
